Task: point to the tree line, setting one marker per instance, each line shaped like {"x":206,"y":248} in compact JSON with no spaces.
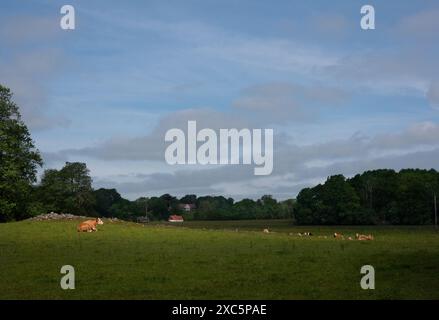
{"x":69,"y":190}
{"x":373,"y":197}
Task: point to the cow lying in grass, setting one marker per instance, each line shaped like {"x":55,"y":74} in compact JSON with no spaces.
{"x":363,"y":237}
{"x":89,"y":225}
{"x":357,"y":236}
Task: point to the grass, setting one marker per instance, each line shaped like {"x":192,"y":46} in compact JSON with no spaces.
{"x":215,"y":260}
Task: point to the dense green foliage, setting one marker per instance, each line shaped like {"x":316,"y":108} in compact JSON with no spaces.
{"x":67,"y":190}
{"x":19,"y":161}
{"x":220,"y":208}
{"x":105,"y":199}
{"x":205,"y":208}
{"x":373,"y":197}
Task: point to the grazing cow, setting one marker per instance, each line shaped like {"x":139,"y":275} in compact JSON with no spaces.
{"x":304,"y":234}
{"x":266,"y":231}
{"x":89,"y":225}
{"x":362,"y":237}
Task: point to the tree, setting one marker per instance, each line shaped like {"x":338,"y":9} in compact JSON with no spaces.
{"x":214,"y":208}
{"x":105,"y":198}
{"x":19,"y":160}
{"x":69,"y":189}
{"x":80,"y":192}
{"x":334,"y":202}
{"x":246,"y":209}
{"x":125,"y":209}
{"x":189,"y":198}
{"x":158,"y":207}
{"x":269,"y":208}
{"x":288,"y":207}
{"x":142,"y":207}
{"x":340,"y":201}
{"x":171,"y":202}
{"x":52,"y":191}
{"x":415,"y":205}
{"x":377,"y":191}
{"x":308,"y":206}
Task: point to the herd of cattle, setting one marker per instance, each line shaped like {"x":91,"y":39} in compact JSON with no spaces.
{"x":358,"y":236}
{"x":340,"y":236}
{"x":90,"y":226}
{"x":336,"y":235}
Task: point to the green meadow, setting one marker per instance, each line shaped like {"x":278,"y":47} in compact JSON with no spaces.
{"x":215,"y":260}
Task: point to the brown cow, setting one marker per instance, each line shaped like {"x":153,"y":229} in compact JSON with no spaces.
{"x":89,"y":225}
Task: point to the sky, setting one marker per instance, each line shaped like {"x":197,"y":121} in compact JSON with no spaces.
{"x":340,"y":99}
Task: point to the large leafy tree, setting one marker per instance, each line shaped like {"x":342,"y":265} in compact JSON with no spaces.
{"x":334,"y":202}
{"x":377,"y":190}
{"x":68,"y":190}
{"x":341,"y":203}
{"x":19,"y":160}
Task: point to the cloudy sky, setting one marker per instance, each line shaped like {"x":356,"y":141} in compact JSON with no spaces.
{"x":340,"y":99}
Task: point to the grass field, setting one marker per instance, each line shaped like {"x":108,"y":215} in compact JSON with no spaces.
{"x":215,"y":260}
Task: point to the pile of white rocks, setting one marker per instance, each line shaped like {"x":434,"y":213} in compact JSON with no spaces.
{"x":56,"y":216}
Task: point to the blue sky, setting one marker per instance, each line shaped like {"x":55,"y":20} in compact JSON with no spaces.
{"x":340,"y":99}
